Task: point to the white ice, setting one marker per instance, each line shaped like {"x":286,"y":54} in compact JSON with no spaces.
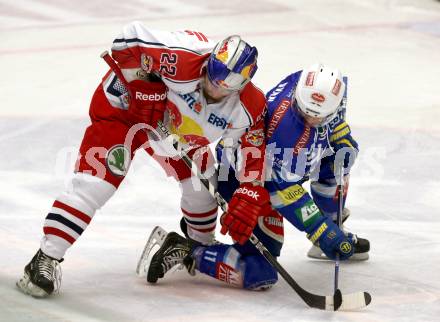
{"x":49,"y":68}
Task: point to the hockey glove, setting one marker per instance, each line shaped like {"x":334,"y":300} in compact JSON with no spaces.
{"x":148,"y":103}
{"x":247,"y":203}
{"x":332,"y":239}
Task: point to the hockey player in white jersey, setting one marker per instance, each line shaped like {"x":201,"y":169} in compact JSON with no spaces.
{"x":202,"y":91}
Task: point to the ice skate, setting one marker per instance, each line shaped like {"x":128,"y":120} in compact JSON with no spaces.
{"x":154,"y":242}
{"x":42,"y":276}
{"x":174,"y":251}
{"x":361,"y":245}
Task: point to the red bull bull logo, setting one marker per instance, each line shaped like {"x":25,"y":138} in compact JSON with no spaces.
{"x":195,"y":140}
{"x":246,"y":72}
{"x":174,"y":113}
{"x":188,"y":130}
{"x":255,"y":137}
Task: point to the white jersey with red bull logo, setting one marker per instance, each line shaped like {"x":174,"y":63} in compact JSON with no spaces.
{"x":179,"y":58}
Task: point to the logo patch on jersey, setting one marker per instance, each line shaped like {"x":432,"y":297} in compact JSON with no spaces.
{"x":318,"y":232}
{"x":255,"y":137}
{"x":192,"y":102}
{"x":307,"y":213}
{"x":146,"y":63}
{"x":302,"y":141}
{"x":291,"y":194}
{"x":318,"y":97}
{"x":217,"y":121}
{"x":118,"y":160}
{"x":272,"y":225}
{"x":188,"y":130}
{"x":277,"y":117}
{"x":228,"y":274}
{"x":336,"y":87}
{"x":151,"y":97}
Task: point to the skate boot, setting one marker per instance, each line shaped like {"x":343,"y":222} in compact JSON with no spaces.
{"x":175,"y":250}
{"x":361,"y":245}
{"x":42,"y":276}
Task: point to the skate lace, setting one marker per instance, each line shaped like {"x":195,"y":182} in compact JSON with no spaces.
{"x":50,"y":269}
{"x":355,"y":239}
{"x":172,"y":259}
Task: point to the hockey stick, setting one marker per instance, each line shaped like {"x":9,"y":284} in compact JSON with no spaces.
{"x":115,"y":68}
{"x":340,"y":189}
{"x":338,"y":301}
{"x":352,"y":301}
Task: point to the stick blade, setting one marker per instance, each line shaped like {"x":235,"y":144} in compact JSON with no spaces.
{"x":350,"y":302}
{"x":337,"y":300}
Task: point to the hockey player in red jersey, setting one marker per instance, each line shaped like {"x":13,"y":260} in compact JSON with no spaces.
{"x":203,"y":92}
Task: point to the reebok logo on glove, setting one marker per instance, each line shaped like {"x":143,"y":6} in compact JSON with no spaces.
{"x":152,"y":97}
{"x":250,"y":193}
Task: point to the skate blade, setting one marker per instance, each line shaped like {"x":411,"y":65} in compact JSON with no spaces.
{"x":316,"y":253}
{"x":155,"y":241}
{"x":27,"y":287}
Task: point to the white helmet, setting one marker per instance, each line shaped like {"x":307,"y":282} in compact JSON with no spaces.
{"x":319,"y":91}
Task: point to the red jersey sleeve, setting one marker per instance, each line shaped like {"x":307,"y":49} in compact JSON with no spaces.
{"x":253,"y":143}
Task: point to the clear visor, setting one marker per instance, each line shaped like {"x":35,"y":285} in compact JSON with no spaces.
{"x":232,"y":82}
{"x":214,"y":90}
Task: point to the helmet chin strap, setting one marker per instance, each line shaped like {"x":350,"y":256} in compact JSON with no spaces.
{"x":325,"y":120}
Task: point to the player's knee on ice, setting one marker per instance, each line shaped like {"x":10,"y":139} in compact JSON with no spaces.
{"x":225,"y":263}
{"x":259,"y":273}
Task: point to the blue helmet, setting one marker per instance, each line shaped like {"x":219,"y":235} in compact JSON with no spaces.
{"x":232,"y":63}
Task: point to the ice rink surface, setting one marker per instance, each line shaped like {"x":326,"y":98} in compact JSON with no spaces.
{"x":50,"y":66}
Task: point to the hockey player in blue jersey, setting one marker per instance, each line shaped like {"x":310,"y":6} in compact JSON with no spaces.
{"x":305,"y":130}
{"x":306,"y":119}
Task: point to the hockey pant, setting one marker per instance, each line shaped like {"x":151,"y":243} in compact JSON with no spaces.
{"x":105,"y":154}
{"x":243,"y":265}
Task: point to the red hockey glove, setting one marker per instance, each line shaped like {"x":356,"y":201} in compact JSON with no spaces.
{"x":148,"y":103}
{"x":247,"y":204}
